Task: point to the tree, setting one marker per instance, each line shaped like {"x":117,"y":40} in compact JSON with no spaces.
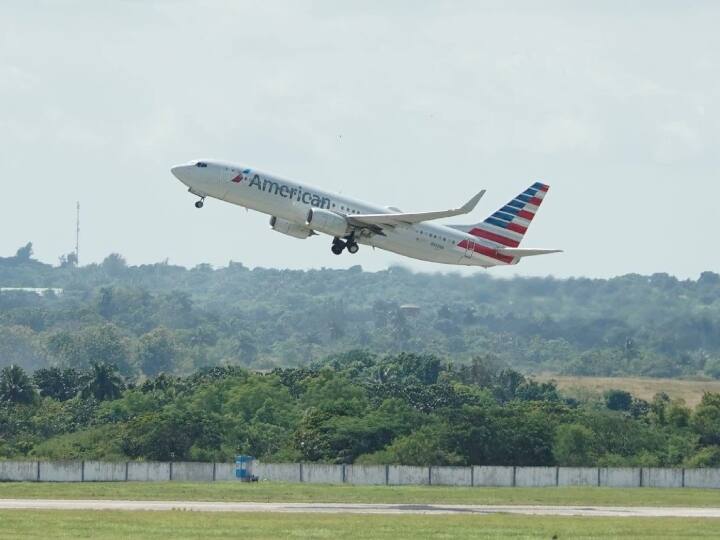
{"x":706,"y":457}
{"x":515,"y":434}
{"x":156,"y":352}
{"x":164,"y":435}
{"x":68,"y":260}
{"x":114,"y":265}
{"x":507,"y":383}
{"x":712,"y":367}
{"x":15,"y":385}
{"x":411,"y":368}
{"x":105,"y":302}
{"x":57,"y":383}
{"x":24,"y":253}
{"x":19,"y":345}
{"x":659,"y":407}
{"x":426,"y":446}
{"x":104,"y":343}
{"x":102,"y":382}
{"x":618,"y":400}
{"x":705,"y":421}
{"x":482,"y":370}
{"x":574,"y":446}
{"x":678,"y":415}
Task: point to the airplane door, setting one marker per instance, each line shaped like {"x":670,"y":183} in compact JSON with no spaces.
{"x":226,"y":175}
{"x":469,"y":248}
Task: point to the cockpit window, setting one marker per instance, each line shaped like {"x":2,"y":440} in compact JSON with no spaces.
{"x":201,"y":164}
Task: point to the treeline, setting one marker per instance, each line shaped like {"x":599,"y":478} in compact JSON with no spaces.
{"x":350,"y":408}
{"x":162,"y":318}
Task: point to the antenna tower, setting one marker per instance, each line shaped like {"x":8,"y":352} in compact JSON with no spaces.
{"x":77,"y":234}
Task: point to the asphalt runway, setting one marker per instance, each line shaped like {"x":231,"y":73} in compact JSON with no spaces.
{"x":350,"y":508}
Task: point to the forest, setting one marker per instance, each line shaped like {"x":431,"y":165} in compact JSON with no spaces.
{"x":161,"y":318}
{"x":158,"y":361}
{"x":355,"y":407}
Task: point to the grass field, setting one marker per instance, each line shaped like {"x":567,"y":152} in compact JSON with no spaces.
{"x":276,"y":492}
{"x":42,"y":524}
{"x":645,"y":388}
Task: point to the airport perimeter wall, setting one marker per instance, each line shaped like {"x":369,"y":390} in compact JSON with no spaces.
{"x":392,"y":475}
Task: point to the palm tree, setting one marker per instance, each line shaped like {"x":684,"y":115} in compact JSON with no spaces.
{"x":15,"y":385}
{"x":103,"y":382}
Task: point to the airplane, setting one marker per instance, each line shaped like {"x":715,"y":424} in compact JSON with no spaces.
{"x":300,"y":210}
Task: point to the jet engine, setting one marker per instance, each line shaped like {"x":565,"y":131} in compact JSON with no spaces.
{"x":291,"y":229}
{"x":327,"y":222}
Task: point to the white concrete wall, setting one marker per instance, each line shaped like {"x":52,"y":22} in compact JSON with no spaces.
{"x":97,"y":471}
{"x":277,"y":472}
{"x":660,"y":477}
{"x":365,"y":474}
{"x":318,"y":473}
{"x":18,"y":471}
{"x":191,"y":471}
{"x":224,"y":472}
{"x":620,"y":477}
{"x":492,"y":476}
{"x":148,"y":471}
{"x":578,"y":476}
{"x":405,"y":474}
{"x":702,"y":478}
{"x":451,"y":476}
{"x":104,"y":471}
{"x":61,"y":471}
{"x":535,"y":476}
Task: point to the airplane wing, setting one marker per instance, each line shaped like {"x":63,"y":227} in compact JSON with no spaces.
{"x":408,"y":218}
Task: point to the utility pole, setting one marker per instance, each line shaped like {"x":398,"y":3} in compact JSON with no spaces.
{"x":77,"y":235}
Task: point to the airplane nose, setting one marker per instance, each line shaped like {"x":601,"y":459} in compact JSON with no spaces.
{"x":177,"y":172}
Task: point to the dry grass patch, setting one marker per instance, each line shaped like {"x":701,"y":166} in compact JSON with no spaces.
{"x":641,"y":387}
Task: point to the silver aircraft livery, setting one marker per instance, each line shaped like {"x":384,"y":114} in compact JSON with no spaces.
{"x":301,"y":211}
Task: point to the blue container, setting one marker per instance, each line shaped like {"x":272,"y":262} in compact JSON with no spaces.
{"x":242,"y":467}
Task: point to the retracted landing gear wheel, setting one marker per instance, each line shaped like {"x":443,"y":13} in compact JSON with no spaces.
{"x":353,"y":248}
{"x":199,"y":204}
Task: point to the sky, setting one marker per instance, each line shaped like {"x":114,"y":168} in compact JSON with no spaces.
{"x":419,"y":105}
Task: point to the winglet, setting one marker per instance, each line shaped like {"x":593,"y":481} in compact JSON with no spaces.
{"x":472,"y":203}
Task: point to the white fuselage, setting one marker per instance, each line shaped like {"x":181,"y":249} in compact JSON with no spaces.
{"x":290,"y":200}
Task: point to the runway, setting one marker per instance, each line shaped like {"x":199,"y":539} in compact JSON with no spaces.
{"x":351,"y":508}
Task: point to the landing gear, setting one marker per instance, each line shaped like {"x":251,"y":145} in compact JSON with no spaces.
{"x":352,"y":245}
{"x":339,"y":245}
{"x":200,"y":203}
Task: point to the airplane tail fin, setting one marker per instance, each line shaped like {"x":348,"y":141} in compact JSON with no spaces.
{"x":507,"y":227}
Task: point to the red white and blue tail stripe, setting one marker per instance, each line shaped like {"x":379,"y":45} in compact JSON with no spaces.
{"x":508,"y":225}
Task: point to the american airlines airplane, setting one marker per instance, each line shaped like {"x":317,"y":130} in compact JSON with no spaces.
{"x":301,"y":211}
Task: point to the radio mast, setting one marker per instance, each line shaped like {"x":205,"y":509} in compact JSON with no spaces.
{"x":77,"y":235}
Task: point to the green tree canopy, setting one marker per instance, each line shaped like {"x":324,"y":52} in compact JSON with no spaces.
{"x":15,"y":385}
{"x":102,"y":382}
